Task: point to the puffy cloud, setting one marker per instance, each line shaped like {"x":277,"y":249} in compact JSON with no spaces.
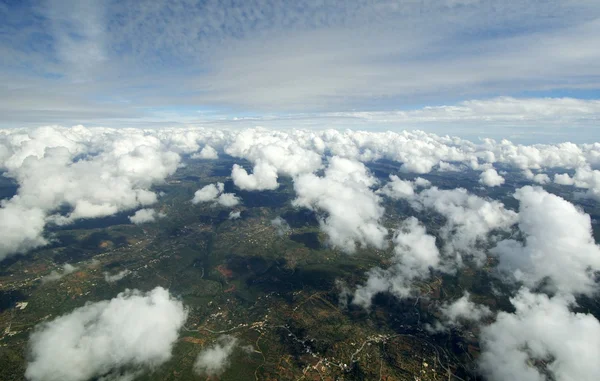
{"x":55,"y":275}
{"x":558,"y":251}
{"x":145,"y":215}
{"x":542,"y":334}
{"x":491,"y":178}
{"x":415,"y":253}
{"x":264,"y":176}
{"x":459,"y":311}
{"x":117,"y":277}
{"x":214,"y":193}
{"x":585,"y":178}
{"x":397,"y":188}
{"x":212,"y":361}
{"x":21,"y":228}
{"x":273,"y":153}
{"x":280,"y":225}
{"x":235,"y":215}
{"x":539,"y":178}
{"x":95,"y":172}
{"x":131,"y":331}
{"x":353,"y":209}
{"x":469,"y":219}
{"x":207,"y":152}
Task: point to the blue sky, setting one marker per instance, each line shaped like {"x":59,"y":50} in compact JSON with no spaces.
{"x":175,"y":62}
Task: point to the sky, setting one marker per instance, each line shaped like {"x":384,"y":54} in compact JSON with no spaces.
{"x":525,"y":70}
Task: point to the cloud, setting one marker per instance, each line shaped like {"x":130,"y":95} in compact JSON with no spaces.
{"x":235,"y":215}
{"x":415,"y":253}
{"x":469,"y":220}
{"x":145,"y":215}
{"x":585,"y":178}
{"x":273,"y":153}
{"x":264,"y":177}
{"x":558,"y":250}
{"x":280,"y":225}
{"x":460,"y":311}
{"x":539,"y":178}
{"x":22,"y":229}
{"x":542,"y":334}
{"x":134,"y":330}
{"x":353,"y":210}
{"x":213,"y":361}
{"x":95,"y":172}
{"x":54,"y":275}
{"x":214,"y":193}
{"x":117,"y":277}
{"x":397,"y":188}
{"x":90,"y":172}
{"x":491,"y":178}
{"x":207,"y":152}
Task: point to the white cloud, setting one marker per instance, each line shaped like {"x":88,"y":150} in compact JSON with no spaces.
{"x":264,"y":176}
{"x":491,"y":178}
{"x":469,"y":219}
{"x":539,"y":178}
{"x":133,"y":330}
{"x":97,"y":172}
{"x":214,"y":193}
{"x":116,"y":277}
{"x":55,"y":275}
{"x":280,"y":225}
{"x":207,"y":152}
{"x":542,"y":331}
{"x":585,"y":178}
{"x":559,"y":250}
{"x":460,"y":311}
{"x":235,"y":215}
{"x":397,"y":188}
{"x":145,"y":215}
{"x":213,"y":361}
{"x":415,"y":253}
{"x":21,"y":228}
{"x":353,"y":209}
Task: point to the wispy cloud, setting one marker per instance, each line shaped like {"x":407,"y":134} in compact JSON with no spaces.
{"x":85,"y":61}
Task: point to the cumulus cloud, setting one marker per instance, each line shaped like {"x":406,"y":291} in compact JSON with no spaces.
{"x":397,"y":188}
{"x":415,"y":253}
{"x":273,"y":153}
{"x":55,"y":275}
{"x":280,"y":225}
{"x":235,"y":215}
{"x":539,"y":178}
{"x":145,"y":215}
{"x":96,"y":172}
{"x":585,"y":178}
{"x":116,"y":277}
{"x":134,"y":330}
{"x":352,"y":209}
{"x":460,"y":311}
{"x":558,"y":251}
{"x":469,"y":219}
{"x":213,"y":361}
{"x":542,"y":340}
{"x":93,"y":172}
{"x":264,"y":176}
{"x":491,"y":178}
{"x":207,"y":152}
{"x":215,"y":193}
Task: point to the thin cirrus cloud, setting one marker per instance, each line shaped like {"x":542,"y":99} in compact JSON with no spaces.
{"x":323,"y":63}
